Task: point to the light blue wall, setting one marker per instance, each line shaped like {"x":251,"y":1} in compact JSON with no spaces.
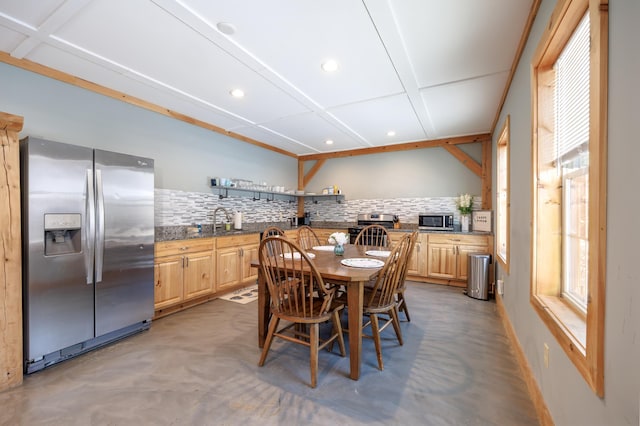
{"x":429,"y":172}
{"x":185,"y":155}
{"x":567,"y":395}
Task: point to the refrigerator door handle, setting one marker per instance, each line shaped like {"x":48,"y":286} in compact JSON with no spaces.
{"x":90,"y":227}
{"x":99,"y":226}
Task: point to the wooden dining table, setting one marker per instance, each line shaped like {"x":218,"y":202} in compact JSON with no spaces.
{"x":332,"y":270}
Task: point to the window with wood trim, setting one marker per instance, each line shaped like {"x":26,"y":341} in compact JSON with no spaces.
{"x":502,"y":198}
{"x":569,"y":182}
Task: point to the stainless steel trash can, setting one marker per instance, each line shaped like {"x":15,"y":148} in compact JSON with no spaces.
{"x":478,"y":276}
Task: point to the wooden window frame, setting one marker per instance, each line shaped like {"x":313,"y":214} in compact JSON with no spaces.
{"x":581,"y":338}
{"x":503,"y":230}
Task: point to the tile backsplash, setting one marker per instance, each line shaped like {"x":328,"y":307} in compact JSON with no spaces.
{"x":177,"y":208}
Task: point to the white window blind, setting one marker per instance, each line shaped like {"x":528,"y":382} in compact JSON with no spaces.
{"x":572,"y":96}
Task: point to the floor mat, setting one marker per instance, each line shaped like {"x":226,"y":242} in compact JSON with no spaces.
{"x":244,"y":295}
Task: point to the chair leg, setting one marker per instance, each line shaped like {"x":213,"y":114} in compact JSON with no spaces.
{"x":313,"y":346}
{"x":338,"y":329}
{"x":396,"y":324}
{"x":375,"y":331}
{"x":273,"y":326}
{"x":402,"y":304}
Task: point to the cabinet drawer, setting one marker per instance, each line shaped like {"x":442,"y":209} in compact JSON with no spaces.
{"x":458,"y":239}
{"x":237,"y":240}
{"x":170,"y":248}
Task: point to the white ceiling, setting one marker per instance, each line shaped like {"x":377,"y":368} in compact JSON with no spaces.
{"x":426,"y":69}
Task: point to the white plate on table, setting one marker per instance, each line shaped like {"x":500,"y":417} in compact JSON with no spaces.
{"x":362,"y":262}
{"x":323,"y":248}
{"x":296,"y":255}
{"x":378,"y":253}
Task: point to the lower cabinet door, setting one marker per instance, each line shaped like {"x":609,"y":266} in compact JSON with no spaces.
{"x":198,"y":275}
{"x":463,"y":259}
{"x":228,"y":262}
{"x":441,"y":261}
{"x":168,"y":280}
{"x":249,"y":254}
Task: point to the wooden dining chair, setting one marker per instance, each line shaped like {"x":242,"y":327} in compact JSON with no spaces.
{"x":307,"y":238}
{"x":374,"y":236}
{"x":402,"y":285}
{"x":381,"y":299}
{"x":272,"y":231}
{"x":300,"y":297}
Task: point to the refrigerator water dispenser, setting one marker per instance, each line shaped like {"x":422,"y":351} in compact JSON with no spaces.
{"x":62,"y":233}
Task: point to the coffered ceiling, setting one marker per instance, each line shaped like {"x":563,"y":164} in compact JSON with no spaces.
{"x":423,"y":69}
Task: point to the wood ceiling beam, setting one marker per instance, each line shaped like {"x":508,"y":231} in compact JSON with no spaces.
{"x":121,"y":96}
{"x":465,"y":158}
{"x":516,"y":59}
{"x":435,"y":143}
{"x":312,"y":172}
{"x":10,"y":122}
{"x":446,"y":143}
{"x":482,"y":170}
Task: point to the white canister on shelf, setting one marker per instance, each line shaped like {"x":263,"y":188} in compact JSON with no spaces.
{"x":237,"y":220}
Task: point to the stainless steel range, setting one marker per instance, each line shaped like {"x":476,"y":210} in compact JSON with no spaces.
{"x":364,"y":219}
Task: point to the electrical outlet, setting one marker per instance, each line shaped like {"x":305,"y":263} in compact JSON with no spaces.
{"x":546,"y":356}
{"x":500,"y":287}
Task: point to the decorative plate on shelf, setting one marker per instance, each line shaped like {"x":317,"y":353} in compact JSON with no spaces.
{"x":378,"y":253}
{"x":362,"y":262}
{"x":323,"y":248}
{"x":296,"y":255}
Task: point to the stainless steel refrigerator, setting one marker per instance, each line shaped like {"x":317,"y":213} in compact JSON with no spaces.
{"x":88,"y":237}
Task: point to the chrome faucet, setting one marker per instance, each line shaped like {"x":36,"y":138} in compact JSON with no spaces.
{"x":215,"y":214}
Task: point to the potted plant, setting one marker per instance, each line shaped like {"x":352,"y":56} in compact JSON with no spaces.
{"x":339,"y":239}
{"x":465,"y":205}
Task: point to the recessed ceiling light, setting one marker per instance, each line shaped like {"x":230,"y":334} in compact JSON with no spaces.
{"x":329,"y":142}
{"x":391,"y":133}
{"x":237,"y":93}
{"x":330,"y":65}
{"x":226,"y":28}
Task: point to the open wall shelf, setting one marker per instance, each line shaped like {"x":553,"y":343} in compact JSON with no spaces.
{"x":259,"y":194}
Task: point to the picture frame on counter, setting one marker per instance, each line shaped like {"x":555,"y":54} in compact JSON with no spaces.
{"x":482,"y":221}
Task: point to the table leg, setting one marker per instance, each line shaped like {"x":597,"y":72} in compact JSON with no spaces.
{"x":355,"y":299}
{"x":264,"y":299}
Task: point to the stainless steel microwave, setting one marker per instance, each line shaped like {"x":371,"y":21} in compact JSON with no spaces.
{"x":436,"y":221}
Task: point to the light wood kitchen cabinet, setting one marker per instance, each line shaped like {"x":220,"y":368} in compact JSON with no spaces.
{"x":447,"y":255}
{"x":417,"y":261}
{"x":168,"y":279}
{"x":183,"y":271}
{"x":198,"y":275}
{"x":234,"y":256}
{"x":292,"y":234}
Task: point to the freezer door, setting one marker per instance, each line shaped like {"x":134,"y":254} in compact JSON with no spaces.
{"x":57,"y":283}
{"x":124,"y":240}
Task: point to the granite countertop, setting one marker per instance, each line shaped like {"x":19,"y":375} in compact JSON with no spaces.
{"x":170,"y":233}
{"x":184,"y":232}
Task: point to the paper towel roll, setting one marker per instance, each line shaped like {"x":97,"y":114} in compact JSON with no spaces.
{"x":237,"y":220}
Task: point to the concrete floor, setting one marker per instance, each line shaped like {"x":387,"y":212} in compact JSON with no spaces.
{"x":199,"y":367}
